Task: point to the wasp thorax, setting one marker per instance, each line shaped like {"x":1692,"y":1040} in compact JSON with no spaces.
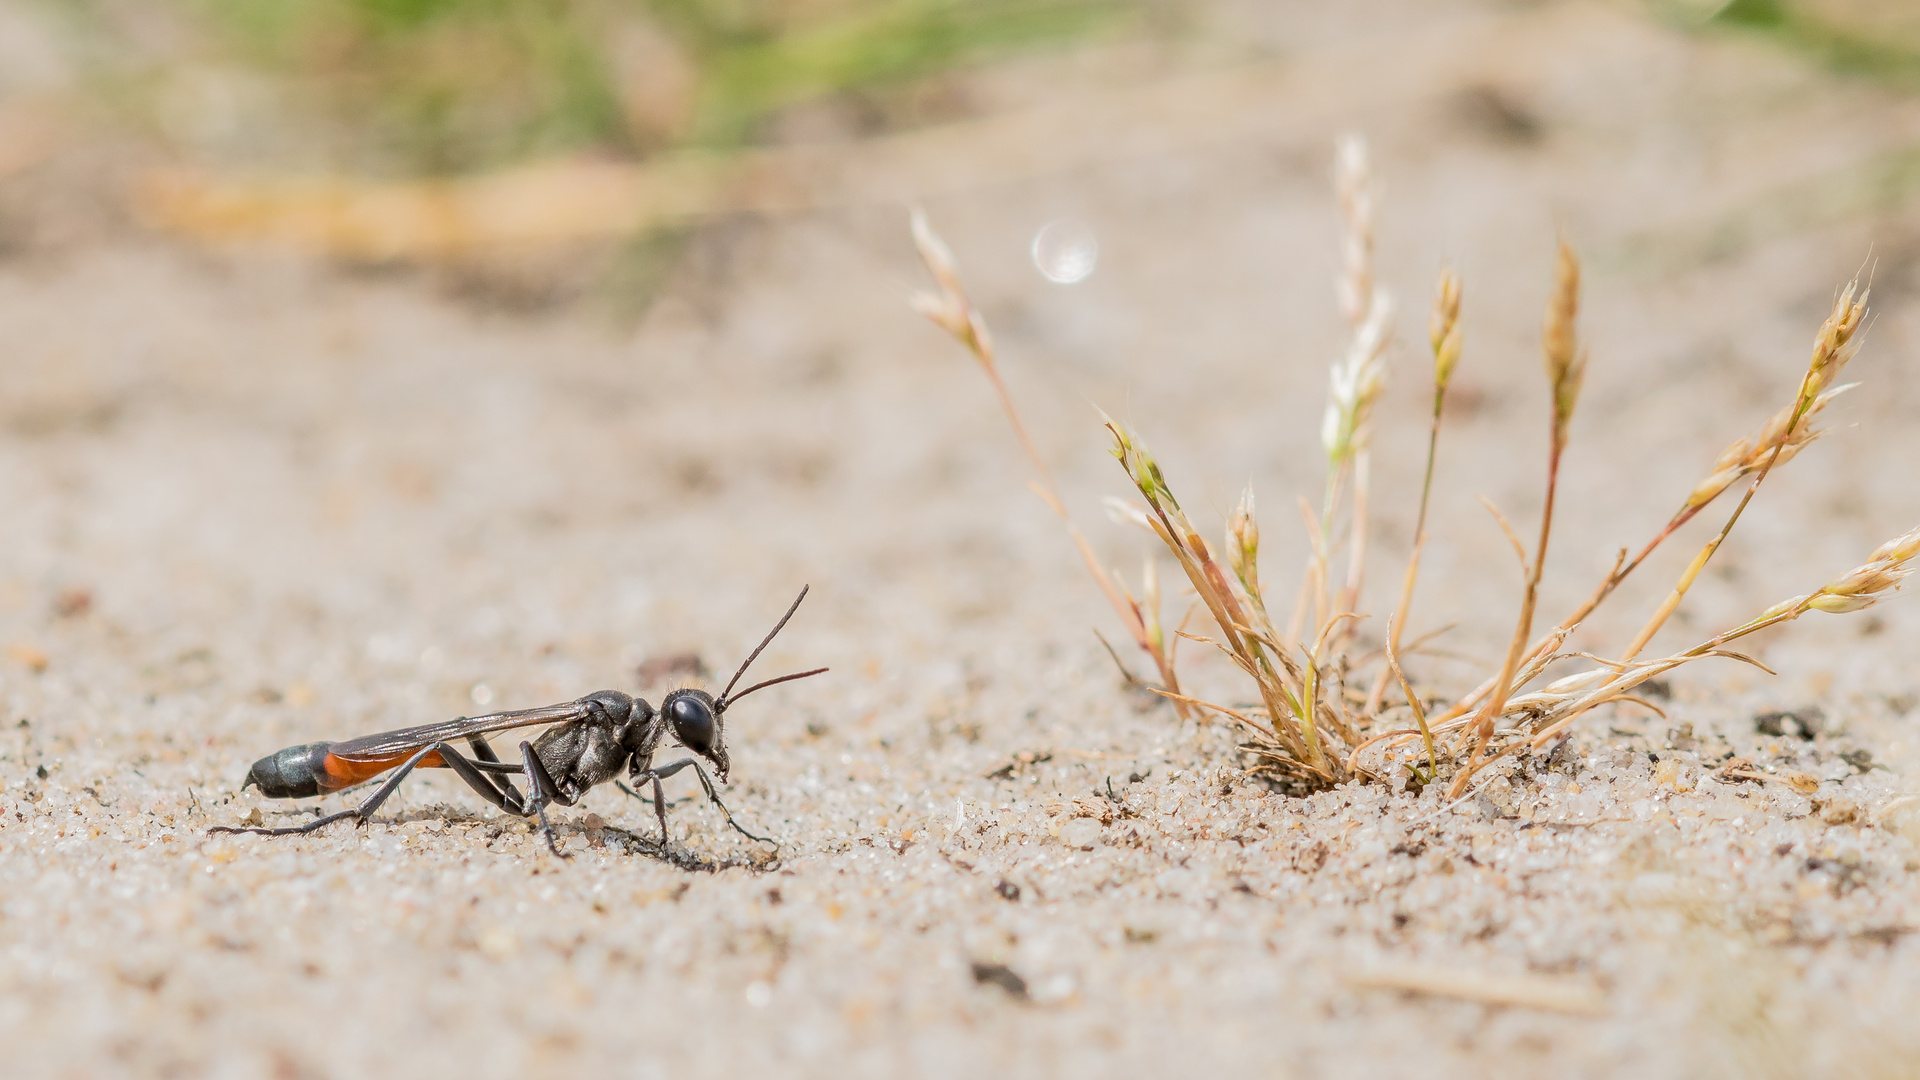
{"x":634,"y":733}
{"x":617,"y":706}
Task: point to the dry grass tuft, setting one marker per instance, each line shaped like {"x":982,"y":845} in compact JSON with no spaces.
{"x":1308,"y":730}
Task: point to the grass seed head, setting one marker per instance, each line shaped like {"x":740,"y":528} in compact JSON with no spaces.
{"x":1791,"y":430}
{"x":1566,"y":360}
{"x":1353,"y":180}
{"x":1357,"y":377}
{"x":1864,"y":585}
{"x":949,"y":309}
{"x":1841,"y":603}
{"x":1900,"y":549}
{"x":1443,"y":328}
{"x":1748,"y":455}
{"x":1141,"y":466}
{"x":934,"y":252}
{"x":1243,"y":544}
{"x":1836,"y":343}
{"x":1354,"y":384}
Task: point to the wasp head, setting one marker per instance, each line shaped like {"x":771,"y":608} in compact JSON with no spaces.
{"x":697,"y":725}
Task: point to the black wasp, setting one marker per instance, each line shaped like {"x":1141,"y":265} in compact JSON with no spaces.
{"x":588,"y":743}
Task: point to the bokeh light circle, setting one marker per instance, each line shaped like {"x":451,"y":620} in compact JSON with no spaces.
{"x":1065,"y":251}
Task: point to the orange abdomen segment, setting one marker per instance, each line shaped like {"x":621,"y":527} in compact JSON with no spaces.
{"x":341,"y":772}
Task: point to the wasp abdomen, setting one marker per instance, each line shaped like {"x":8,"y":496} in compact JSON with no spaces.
{"x":297,"y":772}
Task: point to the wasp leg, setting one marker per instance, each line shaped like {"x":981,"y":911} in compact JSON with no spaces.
{"x":658,"y":802}
{"x":541,"y":790}
{"x":660,"y":809}
{"x":489,"y":768}
{"x":482,"y":749}
{"x":289,"y":830}
{"x":706,"y":782}
{"x":495,"y":789}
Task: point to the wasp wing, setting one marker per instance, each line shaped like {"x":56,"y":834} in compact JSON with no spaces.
{"x":389,"y":743}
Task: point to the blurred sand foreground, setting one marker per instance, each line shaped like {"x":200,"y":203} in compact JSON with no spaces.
{"x":254,"y":500}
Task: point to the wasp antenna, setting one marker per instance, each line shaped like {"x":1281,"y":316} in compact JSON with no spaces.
{"x":769,"y":682}
{"x":721,"y":704}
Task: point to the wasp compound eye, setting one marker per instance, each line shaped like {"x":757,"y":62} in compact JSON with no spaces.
{"x":692,"y":723}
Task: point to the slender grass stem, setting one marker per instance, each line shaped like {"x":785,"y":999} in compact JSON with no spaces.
{"x":1672,"y":602}
{"x":1398,"y":624}
{"x":1503,"y":685}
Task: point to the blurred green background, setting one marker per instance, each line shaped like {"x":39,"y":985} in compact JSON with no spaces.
{"x":1878,"y":38}
{"x":362,"y":92}
{"x":436,"y":87}
{"x":429,"y":87}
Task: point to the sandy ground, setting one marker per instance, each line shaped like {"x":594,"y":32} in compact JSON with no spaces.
{"x":254,"y":500}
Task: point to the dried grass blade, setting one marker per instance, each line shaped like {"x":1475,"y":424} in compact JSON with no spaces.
{"x":1413,"y":702}
{"x":1513,"y":538}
